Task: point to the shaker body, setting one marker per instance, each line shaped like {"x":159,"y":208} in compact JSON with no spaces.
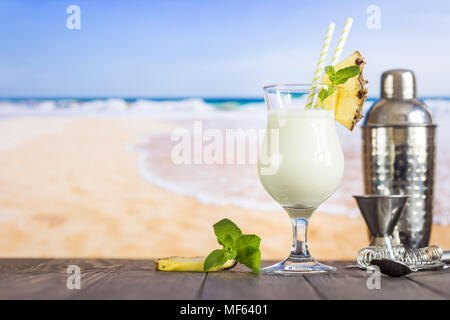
{"x":401,"y":160}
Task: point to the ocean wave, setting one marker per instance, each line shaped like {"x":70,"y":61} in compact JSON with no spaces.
{"x":158,"y":109}
{"x":161,"y":108}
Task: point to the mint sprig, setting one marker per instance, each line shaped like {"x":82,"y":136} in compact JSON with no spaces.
{"x":336,"y":78}
{"x":242,"y":247}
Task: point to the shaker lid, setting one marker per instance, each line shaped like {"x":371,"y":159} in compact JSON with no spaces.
{"x":398,"y":84}
{"x":398,"y":105}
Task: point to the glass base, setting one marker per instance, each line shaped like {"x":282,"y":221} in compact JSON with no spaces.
{"x":298,"y":266}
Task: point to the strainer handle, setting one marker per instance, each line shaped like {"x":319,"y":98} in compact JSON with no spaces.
{"x":446,"y":256}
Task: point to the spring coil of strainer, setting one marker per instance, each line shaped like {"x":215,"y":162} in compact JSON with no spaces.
{"x":414,"y":258}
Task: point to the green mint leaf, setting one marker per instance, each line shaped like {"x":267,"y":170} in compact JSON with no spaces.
{"x":340,"y":81}
{"x":346,"y":73}
{"x":248,"y":252}
{"x":242,"y":247}
{"x":250,"y":257}
{"x":325,"y":93}
{"x":329,"y":70}
{"x":333,"y":79}
{"x":330,"y":91}
{"x":228,"y":242}
{"x":218,"y":258}
{"x":248,"y":240}
{"x":224,"y":228}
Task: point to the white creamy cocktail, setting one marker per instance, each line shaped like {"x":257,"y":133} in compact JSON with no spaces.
{"x":303,"y":150}
{"x":300,"y":164}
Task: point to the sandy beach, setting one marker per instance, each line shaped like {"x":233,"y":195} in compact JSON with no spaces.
{"x":70,"y":188}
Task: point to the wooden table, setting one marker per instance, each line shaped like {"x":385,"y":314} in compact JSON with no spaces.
{"x":137,"y":279}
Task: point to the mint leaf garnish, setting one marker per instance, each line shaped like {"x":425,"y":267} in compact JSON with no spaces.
{"x":228,"y":242}
{"x":251,"y":258}
{"x":218,"y":258}
{"x":336,"y":78}
{"x":347,"y":73}
{"x":248,"y":240}
{"x":248,"y":252}
{"x":226,"y":227}
{"x":329,"y":70}
{"x":242,"y":247}
{"x":325,"y":93}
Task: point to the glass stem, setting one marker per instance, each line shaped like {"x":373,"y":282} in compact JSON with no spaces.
{"x":299,"y":250}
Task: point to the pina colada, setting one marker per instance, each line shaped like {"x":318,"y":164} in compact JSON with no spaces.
{"x":301,"y":162}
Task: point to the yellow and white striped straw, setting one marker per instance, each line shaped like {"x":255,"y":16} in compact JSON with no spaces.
{"x":320,"y":64}
{"x":341,"y":42}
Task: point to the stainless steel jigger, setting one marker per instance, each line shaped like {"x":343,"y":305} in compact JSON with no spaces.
{"x":381,"y":214}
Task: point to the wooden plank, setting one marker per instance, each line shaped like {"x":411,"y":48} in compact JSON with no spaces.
{"x":352,"y":284}
{"x":14,"y":267}
{"x":436,"y":280}
{"x":137,"y":279}
{"x":47,"y":278}
{"x":29,"y":279}
{"x":100,"y":279}
{"x":239,"y":283}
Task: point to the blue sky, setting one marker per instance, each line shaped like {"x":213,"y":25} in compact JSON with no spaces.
{"x":209,"y":48}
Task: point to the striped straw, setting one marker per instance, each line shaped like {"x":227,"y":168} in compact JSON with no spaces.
{"x":319,"y":69}
{"x":341,"y":43}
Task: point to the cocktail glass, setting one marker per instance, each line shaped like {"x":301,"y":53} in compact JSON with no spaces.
{"x":300,"y":165}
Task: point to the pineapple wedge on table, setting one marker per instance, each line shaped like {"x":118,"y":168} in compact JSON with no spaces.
{"x":348,"y":99}
{"x":189,"y":264}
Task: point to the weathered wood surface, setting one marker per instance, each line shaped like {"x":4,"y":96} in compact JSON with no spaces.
{"x":137,"y":279}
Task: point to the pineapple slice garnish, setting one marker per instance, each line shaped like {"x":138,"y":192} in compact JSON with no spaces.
{"x":348,"y":99}
{"x":188,"y":264}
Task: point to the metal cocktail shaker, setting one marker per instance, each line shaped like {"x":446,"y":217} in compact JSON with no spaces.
{"x":399,"y":147}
